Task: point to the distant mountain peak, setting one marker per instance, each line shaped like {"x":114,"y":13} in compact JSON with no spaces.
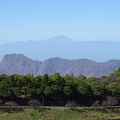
{"x":56,"y":59}
{"x":7,"y":56}
{"x":60,"y":38}
{"x":63,"y":47}
{"x":14,"y":57}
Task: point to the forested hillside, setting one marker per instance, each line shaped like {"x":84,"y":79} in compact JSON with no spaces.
{"x":59,"y":90}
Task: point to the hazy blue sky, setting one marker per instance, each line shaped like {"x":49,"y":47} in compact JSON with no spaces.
{"x":77,"y":19}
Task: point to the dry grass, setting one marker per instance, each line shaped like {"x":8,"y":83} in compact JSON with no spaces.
{"x":56,"y":114}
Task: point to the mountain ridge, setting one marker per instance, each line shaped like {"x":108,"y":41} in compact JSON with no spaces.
{"x":20,"y":64}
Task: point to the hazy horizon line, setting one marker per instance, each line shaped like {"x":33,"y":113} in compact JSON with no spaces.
{"x":49,"y":38}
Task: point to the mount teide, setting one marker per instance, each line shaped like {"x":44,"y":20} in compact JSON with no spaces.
{"x":63,"y":47}
{"x":20,"y":64}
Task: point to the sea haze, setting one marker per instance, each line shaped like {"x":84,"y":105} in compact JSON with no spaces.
{"x":64,"y":47}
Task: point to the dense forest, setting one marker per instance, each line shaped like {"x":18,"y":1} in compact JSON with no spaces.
{"x":56,"y":90}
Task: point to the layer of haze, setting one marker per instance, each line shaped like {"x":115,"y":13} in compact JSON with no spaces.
{"x":83,"y":20}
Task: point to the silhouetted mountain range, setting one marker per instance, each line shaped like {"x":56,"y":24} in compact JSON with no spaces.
{"x":20,"y":64}
{"x":63,"y":47}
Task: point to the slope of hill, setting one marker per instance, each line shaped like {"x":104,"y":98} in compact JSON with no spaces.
{"x":20,"y":64}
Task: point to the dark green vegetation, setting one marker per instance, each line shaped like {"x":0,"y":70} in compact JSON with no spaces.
{"x":56,"y":90}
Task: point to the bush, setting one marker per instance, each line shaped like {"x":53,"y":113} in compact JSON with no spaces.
{"x":96,"y":103}
{"x":34,"y":103}
{"x":71,"y":104}
{"x":11,"y":103}
{"x":1,"y":102}
{"x":110,"y":101}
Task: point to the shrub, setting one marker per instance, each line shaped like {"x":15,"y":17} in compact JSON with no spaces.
{"x":34,"y":103}
{"x":11,"y":103}
{"x":1,"y":102}
{"x":110,"y":101}
{"x":96,"y":103}
{"x":71,"y":103}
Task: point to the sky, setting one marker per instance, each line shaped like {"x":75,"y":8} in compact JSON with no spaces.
{"x":81,"y":20}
